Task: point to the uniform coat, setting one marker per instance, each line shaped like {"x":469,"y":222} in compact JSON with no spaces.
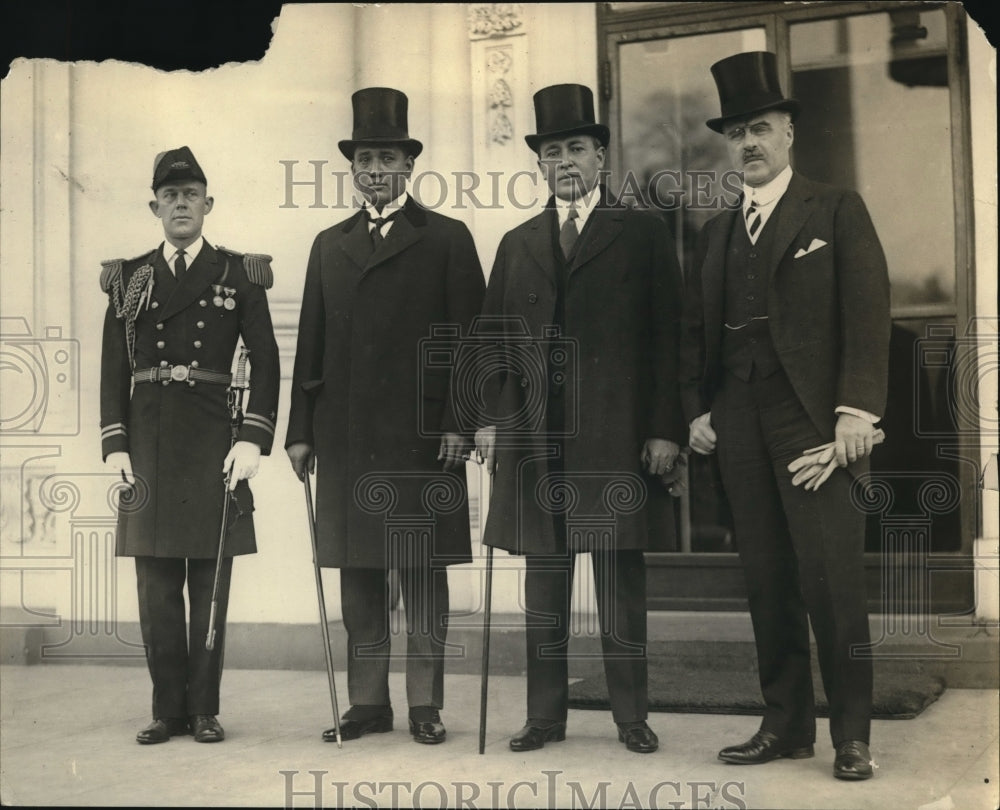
{"x":178,"y":434}
{"x":621,"y":314}
{"x":367,"y":397}
{"x":802,"y":551}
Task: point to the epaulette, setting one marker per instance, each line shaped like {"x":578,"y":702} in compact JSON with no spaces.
{"x":111,"y":269}
{"x":111,"y":273}
{"x":257,"y":266}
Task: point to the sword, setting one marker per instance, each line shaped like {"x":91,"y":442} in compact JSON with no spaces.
{"x":236,"y":389}
{"x":487,"y":607}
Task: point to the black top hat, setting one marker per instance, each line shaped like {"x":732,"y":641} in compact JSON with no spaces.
{"x":176,"y":164}
{"x":748,"y":84}
{"x":380,"y":117}
{"x":564,"y":109}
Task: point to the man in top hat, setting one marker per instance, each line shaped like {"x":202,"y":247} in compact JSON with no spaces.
{"x":582,"y":412}
{"x":174,"y":317}
{"x":376,"y":421}
{"x":785,"y":347}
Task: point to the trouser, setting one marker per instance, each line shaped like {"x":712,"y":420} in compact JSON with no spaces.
{"x":620,"y":588}
{"x":185,"y":675}
{"x":803,"y":558}
{"x":364,"y":598}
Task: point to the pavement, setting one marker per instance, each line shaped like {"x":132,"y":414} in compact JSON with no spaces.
{"x":67,"y":737}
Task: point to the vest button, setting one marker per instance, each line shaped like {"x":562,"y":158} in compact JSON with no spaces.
{"x":160,"y":344}
{"x":163,"y":364}
{"x":532,"y":298}
{"x":203,"y":303}
{"x":155,"y":304}
{"x":200,"y":324}
{"x":197,"y":344}
{"x":159,"y":326}
{"x":751,"y":276}
{"x":753,"y":255}
{"x":751,"y":297}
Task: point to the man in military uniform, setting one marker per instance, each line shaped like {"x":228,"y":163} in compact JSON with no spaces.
{"x":380,"y":421}
{"x":173,"y":320}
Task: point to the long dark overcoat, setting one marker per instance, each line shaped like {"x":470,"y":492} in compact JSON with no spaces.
{"x":622,"y":315}
{"x":377,"y":339}
{"x":178,"y":434}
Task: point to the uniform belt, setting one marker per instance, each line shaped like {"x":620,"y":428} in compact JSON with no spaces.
{"x":167,"y":374}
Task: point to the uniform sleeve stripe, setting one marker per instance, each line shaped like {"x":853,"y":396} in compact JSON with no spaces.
{"x":254,"y":420}
{"x":117,"y":429}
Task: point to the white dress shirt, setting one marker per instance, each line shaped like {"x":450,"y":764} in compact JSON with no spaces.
{"x":388,"y":209}
{"x":190,"y":253}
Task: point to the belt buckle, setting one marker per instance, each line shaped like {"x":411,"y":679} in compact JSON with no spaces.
{"x":178,"y":373}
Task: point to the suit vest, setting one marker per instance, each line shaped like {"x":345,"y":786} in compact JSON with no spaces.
{"x":750,"y":346}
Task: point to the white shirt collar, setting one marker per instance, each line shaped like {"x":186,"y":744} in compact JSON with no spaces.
{"x":388,"y":208}
{"x":584,"y":206}
{"x":768,"y":193}
{"x":190,"y":252}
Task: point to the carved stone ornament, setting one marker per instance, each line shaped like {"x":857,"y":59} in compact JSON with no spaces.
{"x":495,"y":19}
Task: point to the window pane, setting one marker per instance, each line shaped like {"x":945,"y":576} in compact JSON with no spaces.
{"x":876,"y":118}
{"x":667,"y":94}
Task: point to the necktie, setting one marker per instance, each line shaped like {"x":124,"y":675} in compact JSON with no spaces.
{"x":753,"y":221}
{"x":568,"y":234}
{"x":180,"y":266}
{"x":378,"y":222}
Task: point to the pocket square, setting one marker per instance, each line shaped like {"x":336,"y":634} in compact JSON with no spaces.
{"x":815,"y":244}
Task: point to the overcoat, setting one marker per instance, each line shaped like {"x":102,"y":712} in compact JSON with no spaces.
{"x":371,"y":388}
{"x":176,"y":433}
{"x":827,"y":306}
{"x":619,"y":382}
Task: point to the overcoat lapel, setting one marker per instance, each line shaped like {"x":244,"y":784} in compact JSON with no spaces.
{"x":405,"y":232}
{"x":603,"y":227}
{"x":539,"y":239}
{"x":202,"y":272}
{"x":357,"y":241}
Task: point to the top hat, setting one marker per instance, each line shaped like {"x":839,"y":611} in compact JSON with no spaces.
{"x":380,"y":117}
{"x":748,"y":84}
{"x":565,"y":109}
{"x":176,"y":164}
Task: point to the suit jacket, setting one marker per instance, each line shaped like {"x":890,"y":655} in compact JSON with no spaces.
{"x":378,"y":333}
{"x":622,"y":312}
{"x":178,"y":434}
{"x":828,"y":309}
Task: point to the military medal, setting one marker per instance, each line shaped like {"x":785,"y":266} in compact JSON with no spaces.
{"x":217,"y":298}
{"x":230,"y":302}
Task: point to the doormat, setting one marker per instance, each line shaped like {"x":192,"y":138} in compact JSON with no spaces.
{"x":674,"y":687}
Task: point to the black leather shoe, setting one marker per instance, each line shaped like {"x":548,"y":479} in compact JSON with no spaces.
{"x":531,"y":738}
{"x":763,"y":747}
{"x":429,"y":732}
{"x":853,"y":761}
{"x":162,"y":729}
{"x":206,"y":729}
{"x":639,"y":739}
{"x":352,"y":729}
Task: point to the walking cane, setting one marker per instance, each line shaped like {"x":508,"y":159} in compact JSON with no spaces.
{"x":322,"y":607}
{"x":487,"y":606}
{"x":236,"y":389}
